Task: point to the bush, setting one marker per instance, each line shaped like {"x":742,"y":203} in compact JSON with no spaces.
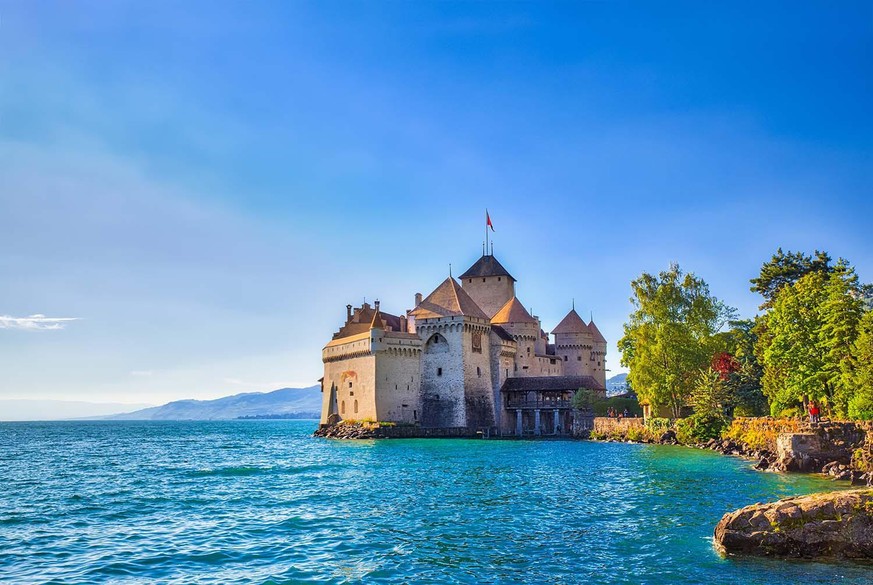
{"x":658,"y":424}
{"x":699,"y":428}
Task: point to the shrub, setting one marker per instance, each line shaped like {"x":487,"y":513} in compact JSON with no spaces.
{"x":699,"y":428}
{"x":658,"y":424}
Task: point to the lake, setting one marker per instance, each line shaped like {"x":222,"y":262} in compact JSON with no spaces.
{"x":265,"y":502}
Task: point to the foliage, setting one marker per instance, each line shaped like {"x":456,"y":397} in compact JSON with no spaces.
{"x":744,"y":380}
{"x":858,"y":371}
{"x":700,"y":427}
{"x":671,"y":335}
{"x":710,"y":394}
{"x":810,"y":335}
{"x":584,"y":399}
{"x":658,"y":424}
{"x":784,"y":269}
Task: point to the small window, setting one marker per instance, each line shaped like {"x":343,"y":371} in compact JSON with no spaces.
{"x":483,"y":280}
{"x":578,"y":358}
{"x":507,"y":372}
{"x":565,"y":358}
{"x":356,"y":407}
{"x":436,"y":339}
{"x":470,"y":280}
{"x":523,"y":367}
{"x":350,"y":384}
{"x":478,"y":371}
{"x":439,"y":371}
{"x":415,"y":414}
{"x":528,"y":351}
{"x":498,"y":279}
{"x":351,"y":393}
{"x":343,"y":407}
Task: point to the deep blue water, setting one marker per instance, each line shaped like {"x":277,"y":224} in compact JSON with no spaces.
{"x":264,"y":502}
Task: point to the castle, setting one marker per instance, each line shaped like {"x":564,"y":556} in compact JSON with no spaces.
{"x":468,"y":356}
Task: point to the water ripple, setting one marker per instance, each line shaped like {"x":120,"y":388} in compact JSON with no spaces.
{"x":264,"y":502}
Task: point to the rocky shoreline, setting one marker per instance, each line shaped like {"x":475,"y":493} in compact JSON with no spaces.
{"x":819,"y":526}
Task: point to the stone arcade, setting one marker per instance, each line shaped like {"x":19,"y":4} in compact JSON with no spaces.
{"x":468,"y":356}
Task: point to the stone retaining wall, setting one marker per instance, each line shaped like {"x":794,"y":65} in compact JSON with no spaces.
{"x":615,"y":426}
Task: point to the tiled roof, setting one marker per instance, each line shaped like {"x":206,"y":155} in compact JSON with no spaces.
{"x":448,"y":300}
{"x":486,"y":266}
{"x":501,"y":333}
{"x":572,"y":323}
{"x":362,"y":320}
{"x":550,"y":383}
{"x":512,"y":312}
{"x":595,"y":332}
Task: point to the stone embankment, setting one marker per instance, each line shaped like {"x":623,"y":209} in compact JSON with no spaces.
{"x":365,"y":430}
{"x":832,"y":525}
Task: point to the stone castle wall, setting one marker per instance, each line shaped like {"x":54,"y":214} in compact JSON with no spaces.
{"x":442,"y":372}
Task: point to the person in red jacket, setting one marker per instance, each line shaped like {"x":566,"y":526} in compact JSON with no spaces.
{"x":813,"y":412}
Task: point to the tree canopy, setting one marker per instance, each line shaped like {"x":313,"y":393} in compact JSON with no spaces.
{"x":672,"y":334}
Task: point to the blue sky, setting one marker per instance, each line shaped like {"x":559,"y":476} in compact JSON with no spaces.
{"x":204,"y":187}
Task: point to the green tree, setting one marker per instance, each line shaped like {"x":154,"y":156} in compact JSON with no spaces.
{"x":786,"y":268}
{"x":744,"y":382}
{"x":810,"y":340}
{"x":711,"y":394}
{"x":858,"y":370}
{"x":671,"y":335}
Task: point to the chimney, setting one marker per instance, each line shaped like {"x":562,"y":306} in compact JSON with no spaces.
{"x":404,"y":325}
{"x":377,"y":304}
{"x":417,"y":299}
{"x":348,"y":312}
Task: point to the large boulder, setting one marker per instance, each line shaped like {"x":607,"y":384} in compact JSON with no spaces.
{"x":831,"y":525}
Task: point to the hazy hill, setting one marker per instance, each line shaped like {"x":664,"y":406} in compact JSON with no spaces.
{"x":251,"y":404}
{"x":616,"y":385}
{"x":20,"y":410}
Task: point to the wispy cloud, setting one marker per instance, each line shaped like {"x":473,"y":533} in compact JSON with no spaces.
{"x":35,"y":322}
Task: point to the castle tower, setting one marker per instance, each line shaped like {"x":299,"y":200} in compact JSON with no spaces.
{"x":525,"y":330}
{"x":489,"y":284}
{"x":456,"y":386}
{"x":598,"y":354}
{"x":574,"y":344}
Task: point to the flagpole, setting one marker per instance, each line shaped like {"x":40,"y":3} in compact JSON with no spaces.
{"x":486,"y":231}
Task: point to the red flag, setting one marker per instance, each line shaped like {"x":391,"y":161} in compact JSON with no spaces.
{"x":488,"y":221}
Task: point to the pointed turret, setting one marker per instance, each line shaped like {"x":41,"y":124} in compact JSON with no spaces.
{"x":448,"y":300}
{"x":513,"y":312}
{"x":572,"y":323}
{"x":489,"y":284}
{"x":595,"y":333}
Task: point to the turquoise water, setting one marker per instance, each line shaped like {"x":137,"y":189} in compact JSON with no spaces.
{"x":264,"y":502}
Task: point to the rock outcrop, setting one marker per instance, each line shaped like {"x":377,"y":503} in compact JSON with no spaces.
{"x":831,"y":525}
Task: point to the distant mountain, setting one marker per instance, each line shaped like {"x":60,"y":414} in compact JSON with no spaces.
{"x":616,"y":385}
{"x":275,"y":404}
{"x":21,"y":410}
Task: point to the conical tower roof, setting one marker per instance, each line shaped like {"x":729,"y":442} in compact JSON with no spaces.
{"x":486,"y":266}
{"x":448,"y":300}
{"x":512,"y":312}
{"x":595,"y":333}
{"x":572,"y":323}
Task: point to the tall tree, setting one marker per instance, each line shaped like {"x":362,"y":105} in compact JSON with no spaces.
{"x":744,"y":371}
{"x":858,"y":371}
{"x":786,"y":268}
{"x":794,"y":359}
{"x":810,"y":339}
{"x":671,"y":335}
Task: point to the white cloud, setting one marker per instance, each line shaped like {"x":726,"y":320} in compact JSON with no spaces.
{"x":35,"y":322}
